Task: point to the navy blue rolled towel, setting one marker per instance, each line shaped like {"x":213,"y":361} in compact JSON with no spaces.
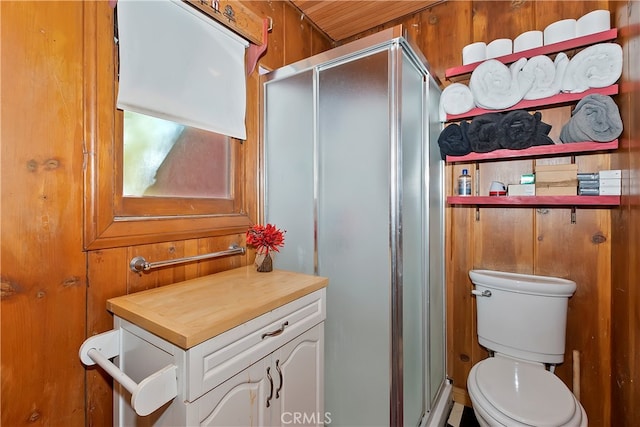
{"x":518,"y":128}
{"x":453,"y":140}
{"x":522,"y":130}
{"x":542,"y":131}
{"x":484,"y":133}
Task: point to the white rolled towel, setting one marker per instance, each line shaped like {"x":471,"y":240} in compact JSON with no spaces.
{"x":596,"y":66}
{"x":455,"y":99}
{"x":495,"y":86}
{"x":548,"y":75}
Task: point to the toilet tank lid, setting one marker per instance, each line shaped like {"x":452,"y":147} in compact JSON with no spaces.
{"x":524,"y":283}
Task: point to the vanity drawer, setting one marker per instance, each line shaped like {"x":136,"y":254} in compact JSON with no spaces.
{"x":218,"y":359}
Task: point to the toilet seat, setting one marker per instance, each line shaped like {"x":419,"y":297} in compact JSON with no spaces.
{"x":515,"y":392}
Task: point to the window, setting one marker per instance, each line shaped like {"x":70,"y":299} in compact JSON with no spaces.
{"x":166,"y":159}
{"x":114,"y":217}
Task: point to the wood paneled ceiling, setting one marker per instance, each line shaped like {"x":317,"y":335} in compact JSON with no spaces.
{"x":341,"y":19}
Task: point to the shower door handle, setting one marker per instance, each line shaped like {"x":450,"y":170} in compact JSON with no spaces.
{"x":485,"y":293}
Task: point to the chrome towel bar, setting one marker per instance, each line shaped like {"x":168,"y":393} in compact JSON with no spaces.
{"x":139,"y":263}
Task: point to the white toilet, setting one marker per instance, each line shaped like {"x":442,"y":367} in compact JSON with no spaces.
{"x":522,"y":321}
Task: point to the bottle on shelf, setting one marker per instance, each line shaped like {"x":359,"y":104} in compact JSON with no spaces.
{"x":464,"y":183}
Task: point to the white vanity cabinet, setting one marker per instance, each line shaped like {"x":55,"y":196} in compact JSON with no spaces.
{"x":247,"y":349}
{"x":279,"y":388}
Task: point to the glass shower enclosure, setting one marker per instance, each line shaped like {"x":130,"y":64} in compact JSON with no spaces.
{"x":352,"y":172}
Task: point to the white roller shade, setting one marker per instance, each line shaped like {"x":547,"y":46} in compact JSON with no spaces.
{"x":177,"y":64}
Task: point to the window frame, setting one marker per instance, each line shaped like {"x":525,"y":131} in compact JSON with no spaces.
{"x":112,"y":220}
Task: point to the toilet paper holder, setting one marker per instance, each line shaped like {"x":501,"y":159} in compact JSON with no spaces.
{"x":146,"y":396}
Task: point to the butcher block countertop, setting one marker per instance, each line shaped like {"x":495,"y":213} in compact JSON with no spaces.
{"x":190,"y":312}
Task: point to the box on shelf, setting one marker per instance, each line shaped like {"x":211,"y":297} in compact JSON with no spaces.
{"x":610,"y":182}
{"x":588,"y":176}
{"x":554,"y":168}
{"x":588,"y":191}
{"x":522,"y":190}
{"x":613,"y":182}
{"x":565,"y":174}
{"x":591,"y":183}
{"x":610,"y":191}
{"x":609,"y":174}
{"x":552,"y":190}
{"x":527,"y":178}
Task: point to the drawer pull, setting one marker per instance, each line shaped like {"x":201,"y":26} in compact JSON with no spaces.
{"x":281,"y":379}
{"x":276,"y":332}
{"x":270,"y":386}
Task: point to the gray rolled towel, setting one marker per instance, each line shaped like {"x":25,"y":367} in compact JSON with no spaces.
{"x":595,"y":118}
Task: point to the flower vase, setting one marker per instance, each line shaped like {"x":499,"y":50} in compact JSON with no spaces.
{"x":264,"y":262}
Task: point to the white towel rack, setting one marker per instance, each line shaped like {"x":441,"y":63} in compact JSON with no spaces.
{"x":146,"y":396}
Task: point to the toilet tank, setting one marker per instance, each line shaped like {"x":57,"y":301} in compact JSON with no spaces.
{"x":522,"y":315}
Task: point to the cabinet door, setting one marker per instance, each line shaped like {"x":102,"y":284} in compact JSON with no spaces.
{"x":299,"y":380}
{"x":240,"y":401}
{"x":284,"y":388}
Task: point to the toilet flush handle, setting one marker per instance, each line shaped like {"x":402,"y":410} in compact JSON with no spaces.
{"x":485,"y":293}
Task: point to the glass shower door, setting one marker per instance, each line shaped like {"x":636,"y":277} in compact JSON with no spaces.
{"x":353,"y":173}
{"x":353,"y":237}
{"x":435,"y":329}
{"x":289,"y":162}
{"x":415,"y":262}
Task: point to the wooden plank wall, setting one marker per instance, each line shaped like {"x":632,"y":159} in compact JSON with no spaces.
{"x":625,"y":232}
{"x":43,"y":266}
{"x":47,"y":312}
{"x":54,"y":293}
{"x":544,"y":241}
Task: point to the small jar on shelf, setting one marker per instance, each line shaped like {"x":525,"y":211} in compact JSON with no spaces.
{"x":464,"y":183}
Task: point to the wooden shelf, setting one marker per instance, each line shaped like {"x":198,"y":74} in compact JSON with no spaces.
{"x":603,"y":36}
{"x":539,"y":150}
{"x":528,"y":201}
{"x":561,"y":98}
{"x":542,"y":150}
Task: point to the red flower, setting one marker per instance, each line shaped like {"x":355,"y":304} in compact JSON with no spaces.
{"x":265,"y":238}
